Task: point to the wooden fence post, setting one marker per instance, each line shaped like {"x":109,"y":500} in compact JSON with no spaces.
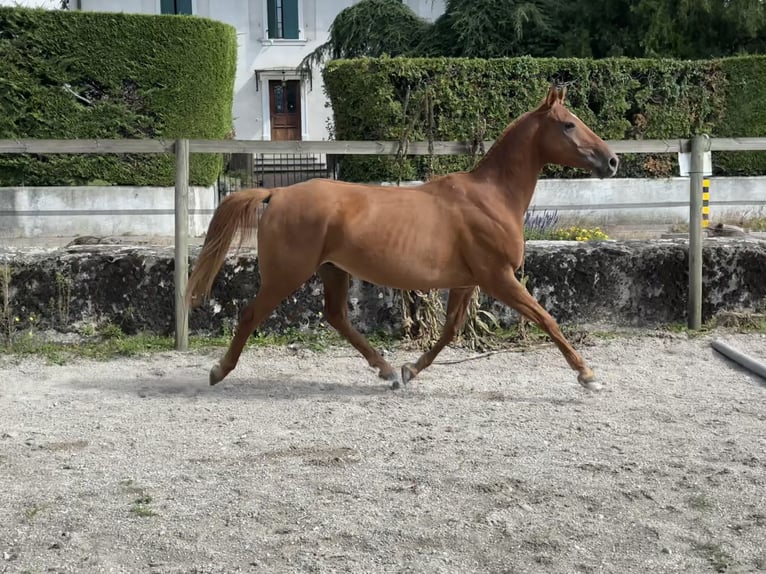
{"x":181,"y":274}
{"x":699,"y":146}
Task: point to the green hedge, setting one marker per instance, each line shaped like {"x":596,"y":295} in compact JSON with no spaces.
{"x":744,"y":114}
{"x":142,"y":76}
{"x":473,"y":99}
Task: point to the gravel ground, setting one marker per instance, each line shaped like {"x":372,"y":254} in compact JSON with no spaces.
{"x":303,"y":461}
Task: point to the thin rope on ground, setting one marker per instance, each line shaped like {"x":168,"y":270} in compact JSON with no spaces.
{"x":490,"y":353}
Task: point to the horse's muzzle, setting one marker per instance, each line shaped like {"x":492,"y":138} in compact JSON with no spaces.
{"x":606,"y":166}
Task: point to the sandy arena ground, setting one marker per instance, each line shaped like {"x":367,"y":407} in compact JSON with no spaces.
{"x":304,"y":461}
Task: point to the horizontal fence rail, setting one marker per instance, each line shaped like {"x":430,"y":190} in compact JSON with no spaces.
{"x":181,"y":148}
{"x":339,"y":147}
{"x":87,"y":146}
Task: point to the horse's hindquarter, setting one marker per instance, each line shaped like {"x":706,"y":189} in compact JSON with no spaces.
{"x":400,"y":237}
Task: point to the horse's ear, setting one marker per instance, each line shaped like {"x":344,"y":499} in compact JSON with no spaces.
{"x":562,"y":94}
{"x":553,"y":95}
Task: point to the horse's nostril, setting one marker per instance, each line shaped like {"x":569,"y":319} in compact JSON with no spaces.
{"x":613,"y":162}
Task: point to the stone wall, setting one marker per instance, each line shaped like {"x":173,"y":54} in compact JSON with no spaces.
{"x":639,"y":283}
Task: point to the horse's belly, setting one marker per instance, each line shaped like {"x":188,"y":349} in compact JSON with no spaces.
{"x":407,"y":242}
{"x":402,"y":272}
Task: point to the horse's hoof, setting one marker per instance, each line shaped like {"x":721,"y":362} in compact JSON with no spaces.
{"x":408,"y":373}
{"x":588,"y":380}
{"x":394,"y":378}
{"x":593,"y":386}
{"x":216,"y":374}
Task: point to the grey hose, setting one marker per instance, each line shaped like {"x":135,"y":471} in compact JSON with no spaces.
{"x":739,"y":357}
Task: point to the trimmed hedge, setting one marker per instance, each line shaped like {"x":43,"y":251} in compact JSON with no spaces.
{"x":473,"y":99}
{"x":744,"y":114}
{"x":136,"y":76}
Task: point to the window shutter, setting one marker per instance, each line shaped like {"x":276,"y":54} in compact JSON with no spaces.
{"x":184,"y":6}
{"x":167,"y":7}
{"x":271,"y":7}
{"x":290,"y":18}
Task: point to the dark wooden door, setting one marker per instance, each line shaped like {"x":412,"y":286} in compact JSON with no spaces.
{"x":285,"y":107}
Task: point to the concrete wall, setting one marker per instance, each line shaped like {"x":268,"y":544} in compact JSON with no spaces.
{"x":644,"y":201}
{"x":93,"y":210}
{"x":653,"y":201}
{"x":63,"y":211}
{"x":640,"y":283}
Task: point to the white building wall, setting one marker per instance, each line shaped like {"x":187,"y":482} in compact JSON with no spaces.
{"x":251,"y":111}
{"x":47,"y":4}
{"x":133,"y":6}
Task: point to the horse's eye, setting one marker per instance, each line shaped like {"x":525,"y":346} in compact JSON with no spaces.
{"x":569,"y":126}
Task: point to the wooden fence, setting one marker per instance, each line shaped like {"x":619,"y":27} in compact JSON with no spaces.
{"x":696,"y":147}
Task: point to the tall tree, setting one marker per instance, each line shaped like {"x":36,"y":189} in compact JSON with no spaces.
{"x":699,"y":28}
{"x":596,"y":29}
{"x":574,"y":28}
{"x":371,"y":28}
{"x":491,"y":29}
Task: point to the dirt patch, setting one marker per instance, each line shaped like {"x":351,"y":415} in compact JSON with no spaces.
{"x":305,"y":462}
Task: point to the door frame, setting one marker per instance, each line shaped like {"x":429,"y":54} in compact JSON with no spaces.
{"x":267,"y":75}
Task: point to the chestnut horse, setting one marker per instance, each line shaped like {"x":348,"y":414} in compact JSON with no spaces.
{"x":455,"y":232}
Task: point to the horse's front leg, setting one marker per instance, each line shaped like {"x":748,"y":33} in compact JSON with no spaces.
{"x":505,"y":287}
{"x":336,"y":284}
{"x":457,"y":305}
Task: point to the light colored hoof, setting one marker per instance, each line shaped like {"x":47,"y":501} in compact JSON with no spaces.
{"x":216,"y":374}
{"x":593,"y":386}
{"x":408,"y":373}
{"x":396,"y":382}
{"x":588,"y":380}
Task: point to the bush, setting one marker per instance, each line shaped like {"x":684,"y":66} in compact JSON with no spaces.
{"x":416,"y":99}
{"x":111,"y":75}
{"x":575,"y":233}
{"x":545,"y":225}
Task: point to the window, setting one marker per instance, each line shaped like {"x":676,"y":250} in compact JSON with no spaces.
{"x":176,"y":6}
{"x":283,"y":19}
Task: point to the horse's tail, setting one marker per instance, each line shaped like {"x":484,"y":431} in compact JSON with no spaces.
{"x":238,"y":212}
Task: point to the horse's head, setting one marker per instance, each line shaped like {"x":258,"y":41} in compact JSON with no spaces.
{"x":564,"y":139}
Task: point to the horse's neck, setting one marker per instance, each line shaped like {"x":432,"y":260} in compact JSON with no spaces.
{"x":512,"y":166}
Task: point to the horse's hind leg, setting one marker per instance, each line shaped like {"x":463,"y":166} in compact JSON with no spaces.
{"x":505,"y":287}
{"x":270,"y":295}
{"x":336,"y":282}
{"x":457,"y":305}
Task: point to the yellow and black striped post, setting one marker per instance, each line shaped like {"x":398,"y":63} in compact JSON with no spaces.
{"x":705,"y":203}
